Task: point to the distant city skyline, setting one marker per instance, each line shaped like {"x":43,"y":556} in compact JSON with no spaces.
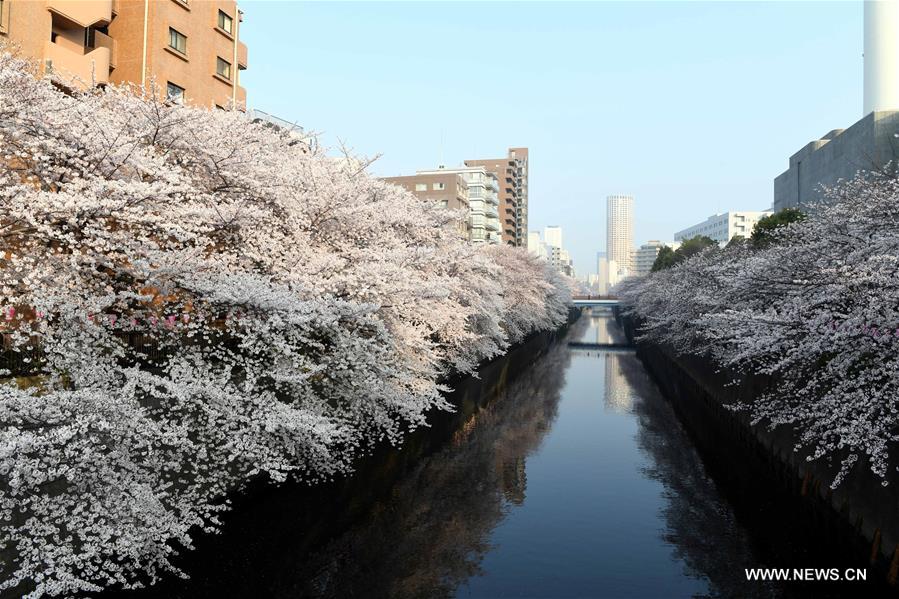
{"x":701,"y":128}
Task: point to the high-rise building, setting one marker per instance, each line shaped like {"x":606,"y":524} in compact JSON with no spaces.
{"x":724,"y":227}
{"x":512,"y":174}
{"x":190,"y":49}
{"x":483,"y":201}
{"x":868,"y":145}
{"x":620,"y":235}
{"x":449,"y":189}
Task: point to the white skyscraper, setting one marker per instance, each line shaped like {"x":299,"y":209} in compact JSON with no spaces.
{"x":620,"y":235}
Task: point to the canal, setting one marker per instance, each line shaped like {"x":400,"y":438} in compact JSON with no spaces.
{"x":571,"y":479}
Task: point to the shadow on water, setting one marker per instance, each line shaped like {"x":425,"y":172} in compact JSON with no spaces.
{"x":412,"y":522}
{"x":427,"y":520}
{"x":700,"y":524}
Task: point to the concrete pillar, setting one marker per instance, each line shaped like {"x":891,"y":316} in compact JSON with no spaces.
{"x":881,"y":55}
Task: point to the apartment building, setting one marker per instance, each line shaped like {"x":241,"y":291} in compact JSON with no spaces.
{"x":190,"y":49}
{"x":449,"y":189}
{"x":645,"y":256}
{"x":483,"y":201}
{"x":723,"y":227}
{"x":512,"y":174}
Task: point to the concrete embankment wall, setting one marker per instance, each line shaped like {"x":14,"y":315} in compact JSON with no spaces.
{"x":860,"y":517}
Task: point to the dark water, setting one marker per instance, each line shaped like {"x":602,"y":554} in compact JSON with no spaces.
{"x":573,"y":479}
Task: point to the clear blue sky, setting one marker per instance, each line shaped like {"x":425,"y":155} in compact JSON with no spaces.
{"x":692,"y":107}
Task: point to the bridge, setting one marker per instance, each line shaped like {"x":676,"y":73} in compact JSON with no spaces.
{"x":600,"y":348}
{"x":595,"y":301}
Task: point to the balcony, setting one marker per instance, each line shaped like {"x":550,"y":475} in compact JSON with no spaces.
{"x":83,"y":12}
{"x":101,"y":40}
{"x":492,"y":225}
{"x":85,"y":68}
{"x":491,"y":212}
{"x":241,"y":55}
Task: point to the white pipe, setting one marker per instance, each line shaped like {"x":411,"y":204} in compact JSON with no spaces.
{"x":881,"y":55}
{"x":143,"y":64}
{"x":235,"y":69}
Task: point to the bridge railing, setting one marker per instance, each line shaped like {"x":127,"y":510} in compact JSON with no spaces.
{"x":595,"y":297}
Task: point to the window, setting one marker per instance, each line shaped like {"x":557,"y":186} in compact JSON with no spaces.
{"x":175,"y":93}
{"x":439,"y":186}
{"x":223,"y":68}
{"x":177,"y":41}
{"x":421,"y":187}
{"x":226,"y":23}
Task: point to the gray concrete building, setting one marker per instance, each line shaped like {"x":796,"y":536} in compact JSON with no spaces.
{"x":868,"y":145}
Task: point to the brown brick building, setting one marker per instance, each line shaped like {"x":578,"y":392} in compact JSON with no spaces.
{"x":190,"y":48}
{"x":448,"y":189}
{"x":512,"y":173}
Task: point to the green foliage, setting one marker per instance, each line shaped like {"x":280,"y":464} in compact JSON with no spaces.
{"x":664,"y":259}
{"x":763,"y":233}
{"x":689,"y":248}
{"x":735,"y":241}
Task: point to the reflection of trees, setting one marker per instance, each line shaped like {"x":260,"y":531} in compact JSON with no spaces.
{"x":700,"y":523}
{"x":433,"y":531}
{"x":412,"y":522}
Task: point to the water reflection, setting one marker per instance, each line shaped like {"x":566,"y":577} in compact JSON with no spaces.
{"x":433,"y":532}
{"x":545,"y":490}
{"x":699,"y":524}
{"x":618,"y":394}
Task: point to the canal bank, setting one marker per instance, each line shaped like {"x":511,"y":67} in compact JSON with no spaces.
{"x":564,"y":473}
{"x":270,"y":527}
{"x":855,"y":525}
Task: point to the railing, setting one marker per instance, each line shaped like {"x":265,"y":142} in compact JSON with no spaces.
{"x":241,"y":55}
{"x":87,"y":69}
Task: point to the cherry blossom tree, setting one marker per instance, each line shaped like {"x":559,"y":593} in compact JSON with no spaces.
{"x":193,"y":300}
{"x":816,"y":308}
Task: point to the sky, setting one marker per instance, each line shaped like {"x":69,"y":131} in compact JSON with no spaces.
{"x":691,"y":107}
